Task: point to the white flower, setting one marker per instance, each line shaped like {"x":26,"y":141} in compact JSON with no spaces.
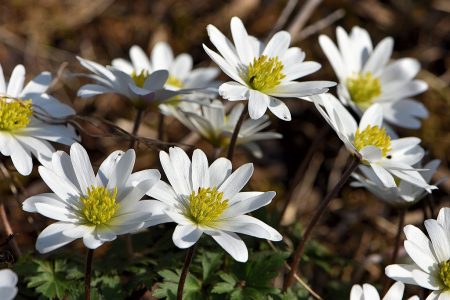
{"x":96,"y":208}
{"x":141,"y":89}
{"x":369,"y":292}
{"x":23,"y":112}
{"x":372,"y":145}
{"x":208,"y":200}
{"x":181,"y":74}
{"x":366,"y":76}
{"x":405,"y":194}
{"x":213,"y":124}
{"x":8,"y":282}
{"x":431,"y":257}
{"x":262,"y":72}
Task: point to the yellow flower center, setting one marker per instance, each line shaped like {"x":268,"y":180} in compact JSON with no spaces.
{"x":444,"y":273}
{"x":206,"y":206}
{"x":363,"y":89}
{"x":175,"y":82}
{"x":373,"y":136}
{"x":264,"y":73}
{"x":14,"y":114}
{"x":99,"y":206}
{"x":139,"y":79}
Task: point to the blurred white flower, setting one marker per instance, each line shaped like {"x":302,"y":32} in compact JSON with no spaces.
{"x":209,"y":119}
{"x":262,"y":72}
{"x":96,"y":208}
{"x":369,"y":292}
{"x":369,"y":141}
{"x":25,"y":116}
{"x":140,"y":89}
{"x":181,"y":74}
{"x":366,"y":76}
{"x":8,"y":282}
{"x":207,"y":199}
{"x":431,"y":257}
{"x":405,"y":194}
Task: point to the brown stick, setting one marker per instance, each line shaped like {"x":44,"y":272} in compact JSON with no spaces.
{"x":137,"y":124}
{"x":289,"y":280}
{"x":8,"y":229}
{"x":185,"y":272}
{"x":235,"y":135}
{"x":87,"y":276}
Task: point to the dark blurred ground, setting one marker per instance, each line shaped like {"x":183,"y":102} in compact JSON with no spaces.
{"x":48,"y":34}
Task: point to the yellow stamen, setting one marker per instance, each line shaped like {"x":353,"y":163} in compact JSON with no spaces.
{"x":99,"y":206}
{"x":363,"y":89}
{"x":175,"y":82}
{"x":444,"y":273}
{"x":14,"y":114}
{"x":206,"y":206}
{"x":373,"y":136}
{"x":139,"y":79}
{"x":264,"y":73}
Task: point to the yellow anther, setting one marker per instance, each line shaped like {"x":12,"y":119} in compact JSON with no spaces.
{"x":264,"y":73}
{"x":175,"y":82}
{"x":139,"y":79}
{"x":99,"y":205}
{"x":444,"y":273}
{"x":373,"y":136}
{"x":206,"y":206}
{"x":363,"y":89}
{"x":14,"y":114}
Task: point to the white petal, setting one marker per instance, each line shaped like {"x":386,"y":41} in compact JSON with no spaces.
{"x":123,"y":65}
{"x":184,"y":236}
{"x":177,"y":167}
{"x":21,"y":157}
{"x":395,"y":292}
{"x":16,"y":81}
{"x":333,"y":55}
{"x":91,"y":241}
{"x":82,"y":167}
{"x":61,"y":186}
{"x":250,"y":226}
{"x":233,"y":91}
{"x":439,"y":239}
{"x":139,"y":59}
{"x":107,"y":167}
{"x":385,"y":177}
{"x":279,"y":109}
{"x":200,"y":172}
{"x":257,"y":104}
{"x":181,"y":66}
{"x":373,"y":116}
{"x":236,"y":181}
{"x":91,"y":90}
{"x":219,"y":170}
{"x":164,"y":193}
{"x":241,"y":41}
{"x":426,"y":280}
{"x":156,"y":80}
{"x":231,"y":243}
{"x":370,"y":292}
{"x":402,"y":69}
{"x":356,"y":292}
{"x":52,"y":238}
{"x":278,"y":44}
{"x":298,"y":70}
{"x":402,"y":273}
{"x":224,"y":65}
{"x":248,"y":205}
{"x":123,"y":169}
{"x":405,"y":112}
{"x":58,"y":213}
{"x":380,"y":56}
{"x":426,"y":262}
{"x":162,"y":56}
{"x":301,"y":89}
{"x":223,"y":45}
{"x":78,"y":231}
{"x":37,"y":85}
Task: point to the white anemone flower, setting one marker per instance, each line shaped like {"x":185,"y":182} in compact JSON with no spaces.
{"x":180,"y":68}
{"x":431,"y":257}
{"x":25,"y":116}
{"x":8,"y":284}
{"x":96,"y":208}
{"x":369,"y":292}
{"x":389,"y":158}
{"x":261,"y":73}
{"x":211,"y":121}
{"x":141,"y":89}
{"x":366,"y":76}
{"x":208,"y":199}
{"x":405,"y":194}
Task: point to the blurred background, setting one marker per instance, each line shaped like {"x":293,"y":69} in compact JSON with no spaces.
{"x":357,"y":234}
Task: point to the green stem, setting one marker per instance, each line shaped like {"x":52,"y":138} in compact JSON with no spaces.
{"x":235,"y":135}
{"x":137,"y":124}
{"x":87,"y":276}
{"x":185,"y":272}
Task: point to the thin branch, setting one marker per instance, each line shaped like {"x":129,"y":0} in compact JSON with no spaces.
{"x":284,"y":16}
{"x":319,"y":25}
{"x":303,"y":16}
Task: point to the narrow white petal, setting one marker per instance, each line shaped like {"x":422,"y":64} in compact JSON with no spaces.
{"x":82,"y":167}
{"x":231,"y":243}
{"x":52,"y":238}
{"x":370,"y":292}
{"x":139,"y":59}
{"x":236,"y":181}
{"x":257,"y":104}
{"x":250,"y":226}
{"x":356,"y":292}
{"x":162,"y":56}
{"x":233,"y":91}
{"x":121,"y":171}
{"x":380,"y":56}
{"x":184,"y":236}
{"x":385,"y":177}
{"x":200,"y":172}
{"x":278,"y":44}
{"x":59,"y":213}
{"x":428,"y":281}
{"x":439,"y":239}
{"x":107,"y":167}
{"x":223,"y":45}
{"x":402,"y":273}
{"x":241,"y":41}
{"x":426,"y":262}
{"x":248,"y":205}
{"x":164,"y":193}
{"x":333,"y":55}
{"x":373,"y":116}
{"x":91,"y":241}
{"x":15,"y":84}
{"x":395,"y":292}
{"x":279,"y":109}
{"x":61,"y":186}
{"x":228,"y":69}
{"x":37,"y":85}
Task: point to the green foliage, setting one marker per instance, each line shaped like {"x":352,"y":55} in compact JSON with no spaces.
{"x":168,"y":289}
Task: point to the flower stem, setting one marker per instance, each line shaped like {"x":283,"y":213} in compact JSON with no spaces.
{"x":289,"y":280}
{"x":185,"y":271}
{"x":235,"y":135}
{"x":87,"y":276}
{"x":137,"y":124}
